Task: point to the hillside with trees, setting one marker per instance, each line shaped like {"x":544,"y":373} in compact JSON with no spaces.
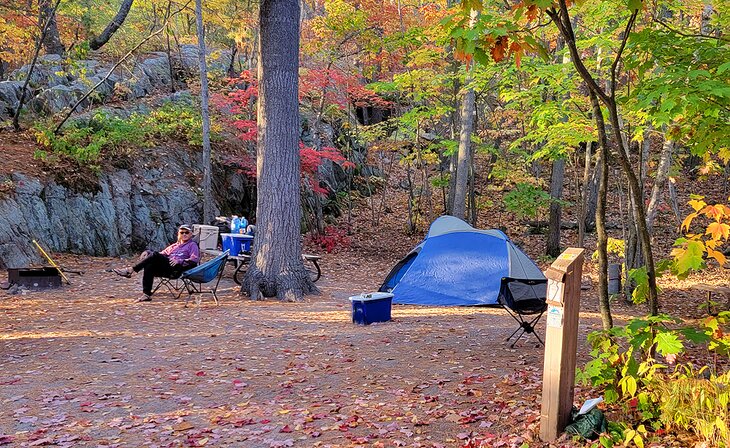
{"x":346,"y":127}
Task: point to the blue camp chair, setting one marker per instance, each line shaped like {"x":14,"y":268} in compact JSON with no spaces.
{"x":194,"y":279}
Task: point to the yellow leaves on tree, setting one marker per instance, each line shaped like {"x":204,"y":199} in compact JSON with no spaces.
{"x":694,"y":249}
{"x":16,"y":34}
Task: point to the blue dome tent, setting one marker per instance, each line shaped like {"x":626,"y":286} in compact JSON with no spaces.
{"x":458,"y":265}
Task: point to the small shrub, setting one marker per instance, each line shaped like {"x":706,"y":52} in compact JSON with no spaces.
{"x":85,"y":141}
{"x":179,"y":121}
{"x":633,"y":365}
{"x":332,"y":239}
{"x":691,"y":402}
{"x":526,"y":200}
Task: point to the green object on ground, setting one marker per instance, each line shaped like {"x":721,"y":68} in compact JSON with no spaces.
{"x":589,"y":425}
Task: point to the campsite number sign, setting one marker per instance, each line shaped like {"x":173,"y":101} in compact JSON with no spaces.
{"x":561,"y":342}
{"x":554,"y":316}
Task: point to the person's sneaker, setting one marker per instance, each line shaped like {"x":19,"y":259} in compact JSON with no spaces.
{"x":144,"y":298}
{"x":125,"y":272}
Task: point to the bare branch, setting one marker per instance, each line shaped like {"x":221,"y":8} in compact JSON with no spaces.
{"x":679,"y":33}
{"x":624,"y":39}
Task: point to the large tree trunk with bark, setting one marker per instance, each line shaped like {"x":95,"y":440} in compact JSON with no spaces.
{"x":99,"y":41}
{"x":207,"y":191}
{"x":556,"y":193}
{"x":276,"y":264}
{"x":51,"y":39}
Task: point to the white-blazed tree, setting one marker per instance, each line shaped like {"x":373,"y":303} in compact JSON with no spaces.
{"x":276,"y":268}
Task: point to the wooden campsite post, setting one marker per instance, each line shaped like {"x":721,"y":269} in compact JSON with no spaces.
{"x":561,"y":342}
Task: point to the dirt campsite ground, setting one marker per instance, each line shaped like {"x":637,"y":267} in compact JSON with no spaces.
{"x":84,"y":365}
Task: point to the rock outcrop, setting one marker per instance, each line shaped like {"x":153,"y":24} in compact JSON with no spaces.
{"x":56,"y":85}
{"x":134,"y":209}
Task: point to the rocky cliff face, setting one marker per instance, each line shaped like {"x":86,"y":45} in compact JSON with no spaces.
{"x":134,"y":209}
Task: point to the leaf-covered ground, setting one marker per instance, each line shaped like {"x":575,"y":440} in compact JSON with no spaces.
{"x":86,"y":366}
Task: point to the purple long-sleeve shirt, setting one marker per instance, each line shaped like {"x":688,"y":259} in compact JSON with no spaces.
{"x":183,"y":252}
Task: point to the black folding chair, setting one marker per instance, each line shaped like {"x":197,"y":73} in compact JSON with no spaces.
{"x":173,"y":284}
{"x":524,"y":300}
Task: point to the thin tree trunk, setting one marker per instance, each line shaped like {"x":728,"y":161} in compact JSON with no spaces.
{"x":562,"y":21}
{"x":231,"y":67}
{"x":207,"y":191}
{"x":39,"y":44}
{"x":592,"y":198}
{"x":602,"y":164}
{"x":411,"y":199}
{"x":169,"y":50}
{"x":556,"y":192}
{"x":113,"y":26}
{"x":464,"y":158}
{"x":276,"y":263}
{"x":584,"y":195}
{"x":661,"y":177}
{"x":675,"y":203}
{"x":463,"y":161}
{"x":472,"y":194}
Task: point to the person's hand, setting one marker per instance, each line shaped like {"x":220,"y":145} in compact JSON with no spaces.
{"x":173,"y":262}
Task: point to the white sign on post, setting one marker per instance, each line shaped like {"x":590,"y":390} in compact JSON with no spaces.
{"x":555,"y":316}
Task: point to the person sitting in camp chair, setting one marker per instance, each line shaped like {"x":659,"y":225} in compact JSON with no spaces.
{"x":171,"y":262}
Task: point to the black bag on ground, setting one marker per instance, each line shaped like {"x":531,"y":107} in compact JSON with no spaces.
{"x":589,"y":425}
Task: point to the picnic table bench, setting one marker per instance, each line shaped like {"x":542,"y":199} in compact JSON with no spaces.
{"x":242,"y":260}
{"x":713,"y":289}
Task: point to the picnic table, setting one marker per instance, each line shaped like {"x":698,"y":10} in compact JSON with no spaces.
{"x":713,"y":289}
{"x":242,"y":260}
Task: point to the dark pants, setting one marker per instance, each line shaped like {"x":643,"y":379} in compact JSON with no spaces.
{"x":154,"y":265}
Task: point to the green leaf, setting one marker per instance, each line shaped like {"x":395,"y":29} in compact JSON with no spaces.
{"x":722,"y":68}
{"x":481,"y":56}
{"x":668,"y":344}
{"x":635,"y":4}
{"x":694,"y":335}
{"x":691,"y":258}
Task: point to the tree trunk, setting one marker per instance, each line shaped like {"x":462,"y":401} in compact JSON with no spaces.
{"x":276,"y":264}
{"x":99,"y":41}
{"x":584,"y":194}
{"x":464,"y":158}
{"x":561,"y":19}
{"x":51,"y":39}
{"x":556,"y":193}
{"x":592,"y":198}
{"x":38,"y":46}
{"x":168,"y":50}
{"x":602,"y":165}
{"x":665,"y":161}
{"x":207,"y":192}
{"x":473,"y":212}
{"x":231,"y":71}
